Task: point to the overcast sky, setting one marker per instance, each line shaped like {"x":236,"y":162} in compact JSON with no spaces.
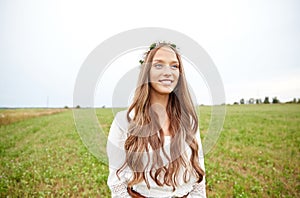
{"x":254,"y":44}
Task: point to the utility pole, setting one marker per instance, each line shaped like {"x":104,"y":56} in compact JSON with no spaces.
{"x":47,"y":101}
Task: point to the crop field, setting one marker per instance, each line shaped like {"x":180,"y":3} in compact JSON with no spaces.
{"x":13,"y":115}
{"x":256,"y":155}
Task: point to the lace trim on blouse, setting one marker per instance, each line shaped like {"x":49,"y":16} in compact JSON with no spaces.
{"x":199,"y":188}
{"x":120,"y":190}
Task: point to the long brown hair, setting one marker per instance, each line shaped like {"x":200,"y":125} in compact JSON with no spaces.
{"x":145,"y":132}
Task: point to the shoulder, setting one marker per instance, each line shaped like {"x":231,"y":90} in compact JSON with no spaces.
{"x":121,"y":121}
{"x":119,"y":128}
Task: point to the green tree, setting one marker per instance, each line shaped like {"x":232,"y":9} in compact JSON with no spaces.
{"x":242,"y":101}
{"x":251,"y":101}
{"x":258,"y":101}
{"x":275,"y":100}
{"x":266,"y":101}
{"x":295,"y":100}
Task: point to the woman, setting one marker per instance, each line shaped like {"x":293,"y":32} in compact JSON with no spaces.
{"x":154,"y":147}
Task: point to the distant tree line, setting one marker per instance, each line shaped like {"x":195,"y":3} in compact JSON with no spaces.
{"x":275,"y":100}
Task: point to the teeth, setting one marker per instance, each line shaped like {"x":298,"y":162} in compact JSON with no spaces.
{"x":166,"y":82}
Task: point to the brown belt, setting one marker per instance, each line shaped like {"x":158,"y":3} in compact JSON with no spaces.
{"x":135,"y":194}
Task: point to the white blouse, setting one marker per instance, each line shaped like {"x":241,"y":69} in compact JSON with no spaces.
{"x":116,"y":155}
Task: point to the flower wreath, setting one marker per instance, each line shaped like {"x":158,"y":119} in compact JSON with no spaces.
{"x":154,"y":45}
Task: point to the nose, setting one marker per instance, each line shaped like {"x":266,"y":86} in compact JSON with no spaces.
{"x":167,"y":71}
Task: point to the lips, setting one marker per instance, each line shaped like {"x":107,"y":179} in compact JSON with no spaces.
{"x":166,"y":81}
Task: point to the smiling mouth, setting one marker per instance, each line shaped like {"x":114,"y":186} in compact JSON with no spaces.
{"x":166,"y":82}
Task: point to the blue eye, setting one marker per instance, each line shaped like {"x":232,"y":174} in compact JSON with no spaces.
{"x":158,"y":66}
{"x":174,"y":66}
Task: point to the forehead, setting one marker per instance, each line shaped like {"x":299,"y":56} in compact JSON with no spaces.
{"x":165,"y":54}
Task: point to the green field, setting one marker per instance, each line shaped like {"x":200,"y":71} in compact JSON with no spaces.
{"x":257,"y":155}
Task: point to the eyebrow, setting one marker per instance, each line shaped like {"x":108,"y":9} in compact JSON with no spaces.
{"x":160,"y":60}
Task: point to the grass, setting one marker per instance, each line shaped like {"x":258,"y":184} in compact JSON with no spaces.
{"x":44,"y":157}
{"x":257,"y":155}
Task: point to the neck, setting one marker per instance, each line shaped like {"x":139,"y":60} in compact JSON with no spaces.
{"x":159,"y":99}
{"x":159,"y":104}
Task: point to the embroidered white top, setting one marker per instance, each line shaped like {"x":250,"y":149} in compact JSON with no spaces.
{"x":116,"y":155}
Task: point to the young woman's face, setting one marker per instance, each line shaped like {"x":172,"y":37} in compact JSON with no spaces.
{"x":164,"y":72}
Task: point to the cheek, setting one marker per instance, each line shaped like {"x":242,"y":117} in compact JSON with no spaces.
{"x":176,"y":78}
{"x":177,"y":75}
{"x":152,"y":75}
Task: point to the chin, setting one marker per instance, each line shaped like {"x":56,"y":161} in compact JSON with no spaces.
{"x":164,"y":91}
